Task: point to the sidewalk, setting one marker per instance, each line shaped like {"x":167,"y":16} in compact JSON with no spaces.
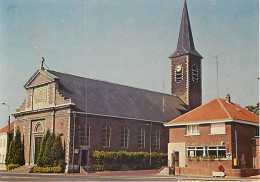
{"x":153,"y":173}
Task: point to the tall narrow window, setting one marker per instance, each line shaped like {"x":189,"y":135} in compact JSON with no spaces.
{"x":85,"y":135}
{"x":106,"y":135}
{"x":195,"y":74}
{"x":141,"y":138}
{"x":124,"y":136}
{"x":157,"y":139}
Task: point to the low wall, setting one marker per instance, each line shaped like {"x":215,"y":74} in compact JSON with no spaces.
{"x":206,"y":167}
{"x":242,"y":172}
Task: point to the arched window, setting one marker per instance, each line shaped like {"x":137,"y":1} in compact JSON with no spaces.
{"x":38,"y":127}
{"x":141,"y":138}
{"x":195,"y":74}
{"x":106,"y":135}
{"x":124,"y":136}
{"x":157,"y":139}
{"x":85,"y":135}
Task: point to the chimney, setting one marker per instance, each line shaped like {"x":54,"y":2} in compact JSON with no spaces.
{"x":228,"y":99}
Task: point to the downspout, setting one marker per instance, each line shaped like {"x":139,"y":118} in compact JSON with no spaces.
{"x":236,"y":143}
{"x":73,"y":144}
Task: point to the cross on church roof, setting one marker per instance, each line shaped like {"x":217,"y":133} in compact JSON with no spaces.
{"x":42,"y":61}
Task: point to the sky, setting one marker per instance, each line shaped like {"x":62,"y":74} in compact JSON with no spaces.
{"x":128,"y":42}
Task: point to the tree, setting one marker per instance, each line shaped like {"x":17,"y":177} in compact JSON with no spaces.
{"x":57,"y":152}
{"x":15,"y":153}
{"x":47,"y":158}
{"x":42,"y":148}
{"x":254,"y":109}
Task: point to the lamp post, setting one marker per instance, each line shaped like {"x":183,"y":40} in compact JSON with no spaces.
{"x":3,"y":103}
{"x":151,"y":124}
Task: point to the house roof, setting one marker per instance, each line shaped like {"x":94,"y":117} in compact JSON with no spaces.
{"x":6,"y":128}
{"x":216,"y":110}
{"x":185,"y":42}
{"x":104,"y":98}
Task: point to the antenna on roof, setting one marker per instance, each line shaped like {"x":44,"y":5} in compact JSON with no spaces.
{"x":217,"y":63}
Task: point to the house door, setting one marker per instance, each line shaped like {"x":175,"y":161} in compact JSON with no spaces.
{"x":37,"y":148}
{"x":84,"y":158}
{"x":176,"y":159}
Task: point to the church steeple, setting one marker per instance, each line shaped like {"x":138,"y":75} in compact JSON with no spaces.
{"x":185,"y":42}
{"x":186,"y":66}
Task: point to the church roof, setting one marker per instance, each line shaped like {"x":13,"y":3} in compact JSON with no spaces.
{"x":215,"y":111}
{"x":104,"y":98}
{"x":185,"y":42}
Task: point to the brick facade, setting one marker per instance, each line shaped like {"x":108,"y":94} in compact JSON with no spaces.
{"x":46,"y":108}
{"x":188,"y":89}
{"x":245,"y":149}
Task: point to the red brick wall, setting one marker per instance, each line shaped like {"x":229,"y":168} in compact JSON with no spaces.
{"x":96,"y":123}
{"x":27,"y":124}
{"x":177,"y":135}
{"x":245,"y":133}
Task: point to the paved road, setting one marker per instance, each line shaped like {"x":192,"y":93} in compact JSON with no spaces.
{"x":112,"y":176}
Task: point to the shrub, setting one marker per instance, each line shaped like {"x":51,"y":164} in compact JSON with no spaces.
{"x":42,"y":149}
{"x":12,"y":166}
{"x":47,"y":158}
{"x":15,"y":154}
{"x":122,"y":160}
{"x":57,"y":169}
{"x":51,"y":155}
{"x":57,"y":152}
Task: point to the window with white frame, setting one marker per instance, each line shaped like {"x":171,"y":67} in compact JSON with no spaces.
{"x":106,"y":135}
{"x":206,"y":151}
{"x":192,"y":130}
{"x":217,"y":128}
{"x":124,"y":136}
{"x":219,"y":151}
{"x":85,"y":135}
{"x":141,"y":138}
{"x":157,"y":139}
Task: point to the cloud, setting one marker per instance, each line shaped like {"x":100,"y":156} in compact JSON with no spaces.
{"x":130,"y":21}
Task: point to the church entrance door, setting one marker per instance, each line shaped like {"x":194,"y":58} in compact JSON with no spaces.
{"x":38,"y":140}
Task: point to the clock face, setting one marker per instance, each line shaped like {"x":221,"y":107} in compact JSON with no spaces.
{"x":178,"y":68}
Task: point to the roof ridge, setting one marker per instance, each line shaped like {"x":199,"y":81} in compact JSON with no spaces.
{"x":114,"y":83}
{"x":224,"y":108}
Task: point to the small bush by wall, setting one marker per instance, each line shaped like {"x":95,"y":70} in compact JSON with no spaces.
{"x":12,"y":166}
{"x":56,"y":169}
{"x":120,"y":161}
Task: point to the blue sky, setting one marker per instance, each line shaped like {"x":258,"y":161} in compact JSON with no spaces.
{"x":128,"y":42}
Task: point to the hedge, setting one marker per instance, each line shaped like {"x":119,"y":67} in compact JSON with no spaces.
{"x":12,"y":166}
{"x":122,"y":160}
{"x":57,"y":169}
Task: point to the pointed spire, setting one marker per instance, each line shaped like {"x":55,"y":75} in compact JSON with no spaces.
{"x":185,"y":41}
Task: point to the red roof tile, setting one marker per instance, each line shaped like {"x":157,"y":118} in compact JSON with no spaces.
{"x":217,"y":109}
{"x":5,"y":129}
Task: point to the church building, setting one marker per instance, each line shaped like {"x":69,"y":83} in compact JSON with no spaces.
{"x":93,"y":115}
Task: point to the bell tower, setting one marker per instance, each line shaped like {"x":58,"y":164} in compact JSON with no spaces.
{"x":186,"y":66}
